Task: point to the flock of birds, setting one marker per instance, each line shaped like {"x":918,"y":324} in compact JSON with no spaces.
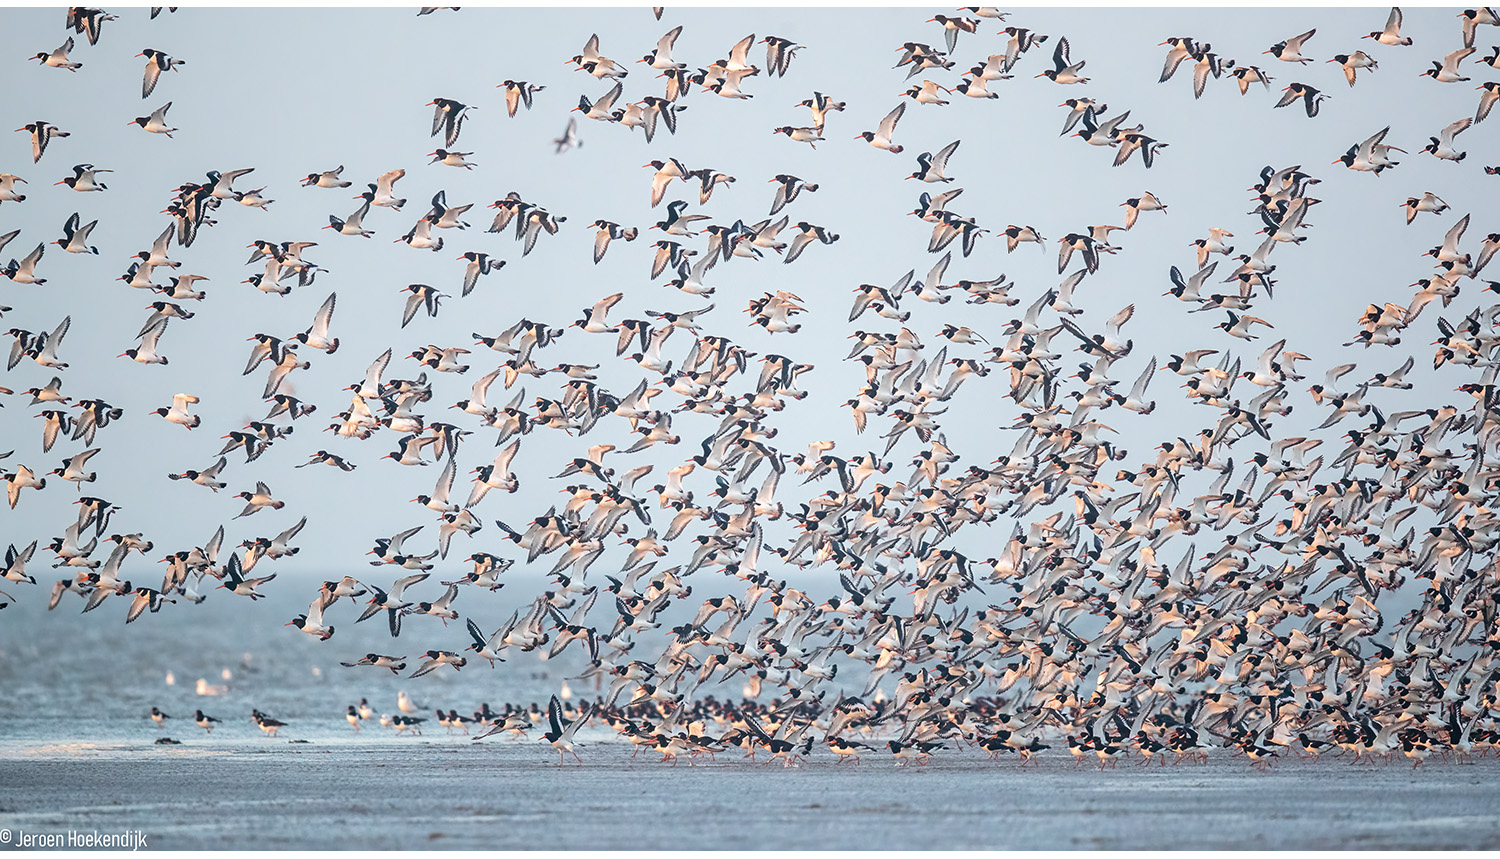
{"x":1115,"y":607}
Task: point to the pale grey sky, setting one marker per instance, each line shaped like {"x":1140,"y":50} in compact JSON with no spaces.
{"x":290,"y":92}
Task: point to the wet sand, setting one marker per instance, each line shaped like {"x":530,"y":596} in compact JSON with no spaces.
{"x":446,"y":793}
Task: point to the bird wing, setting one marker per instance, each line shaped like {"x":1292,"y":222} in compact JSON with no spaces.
{"x":180,"y":402}
{"x":1453,"y":129}
{"x":1060,"y":57}
{"x":1456,"y":232}
{"x":1294,"y":44}
{"x":1333,"y":375}
{"x":1486,"y":102}
{"x":58,"y":333}
{"x":1263,"y":363}
{"x":315,"y":612}
{"x":799,"y":241}
{"x":738,"y":55}
{"x":288,"y":534}
{"x":601,"y":243}
{"x":444,"y":482}
{"x":1200,"y":78}
{"x":1367,"y":148}
{"x":664,"y":44}
{"x":602,"y":306}
{"x":1119,"y":319}
{"x":1174,"y":59}
{"x":940,"y":160}
{"x":607,"y":103}
{"x":751,"y":558}
{"x":1138,"y":390}
{"x":233,"y":570}
{"x":504,"y":457}
{"x":385,"y":185}
{"x":1450,"y":62}
{"x":148,"y":82}
{"x":477,"y":393}
{"x":583,"y":716}
{"x":319,"y":329}
{"x":163,"y":241}
{"x":1349,"y":73}
{"x":887,"y":125}
{"x":401,"y":584}
{"x":376,"y":369}
{"x":935,"y":276}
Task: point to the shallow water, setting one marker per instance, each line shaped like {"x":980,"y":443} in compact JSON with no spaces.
{"x":89,"y":678}
{"x":441,"y":792}
{"x":77,"y":752}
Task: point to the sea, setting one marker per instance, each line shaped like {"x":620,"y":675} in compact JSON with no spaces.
{"x":79,"y":753}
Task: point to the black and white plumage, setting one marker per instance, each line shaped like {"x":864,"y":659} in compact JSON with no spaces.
{"x":42,"y":134}
{"x":1228,"y":527}
{"x":518,"y":93}
{"x":448,"y":119}
{"x":479,"y":263}
{"x":1312,"y":98}
{"x":156,"y":63}
{"x":880,"y":138}
{"x":560,"y":732}
{"x":1064,"y":70}
{"x":930,"y":167}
